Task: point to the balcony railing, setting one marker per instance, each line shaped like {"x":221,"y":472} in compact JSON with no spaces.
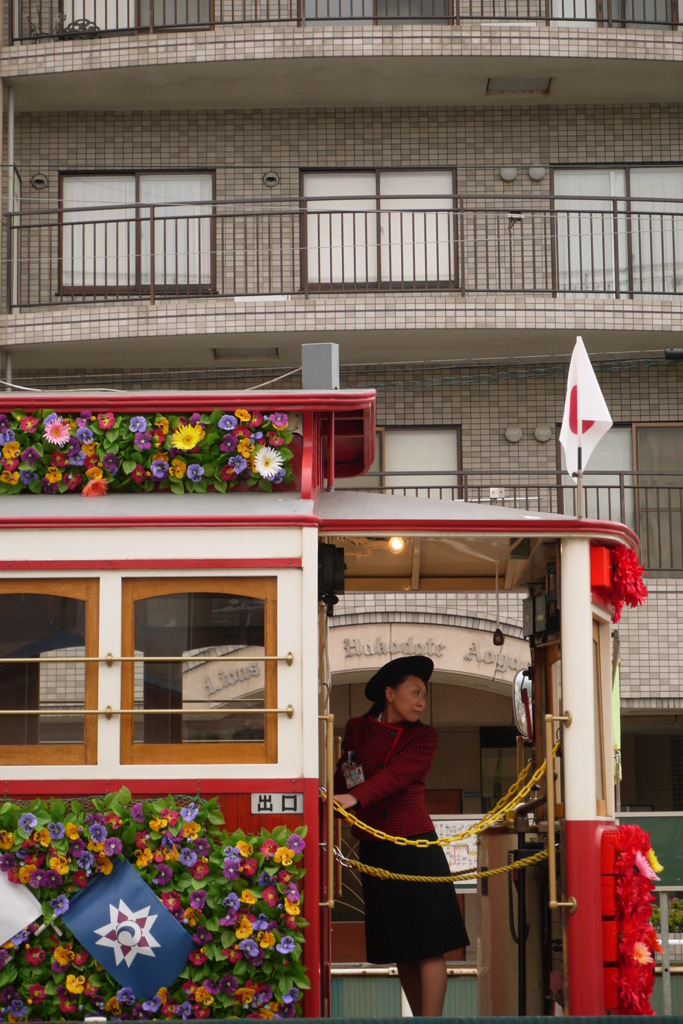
{"x":650,"y":504}
{"x":591,"y":247}
{"x":34,"y":20}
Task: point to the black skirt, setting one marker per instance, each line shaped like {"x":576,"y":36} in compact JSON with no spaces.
{"x":409,"y":920}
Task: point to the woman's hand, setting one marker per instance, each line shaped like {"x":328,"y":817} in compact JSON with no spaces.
{"x":346,"y":800}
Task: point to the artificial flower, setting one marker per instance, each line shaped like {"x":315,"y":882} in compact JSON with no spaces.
{"x":267,"y":462}
{"x":186,"y":438}
{"x":56,"y":432}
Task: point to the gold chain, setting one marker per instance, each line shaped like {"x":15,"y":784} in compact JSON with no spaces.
{"x":456,"y":876}
{"x":514,"y":796}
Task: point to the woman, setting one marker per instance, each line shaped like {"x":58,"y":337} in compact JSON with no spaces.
{"x":380,"y":778}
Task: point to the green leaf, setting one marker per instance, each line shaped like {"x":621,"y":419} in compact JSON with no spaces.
{"x":57,"y":809}
{"x":220,"y":485}
{"x":112,"y":435}
{"x":177,"y":487}
{"x":129,"y":465}
{"x":265,"y":485}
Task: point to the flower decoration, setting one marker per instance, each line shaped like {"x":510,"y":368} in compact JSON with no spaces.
{"x":637,"y":938}
{"x":627,"y":586}
{"x":246,"y":924}
{"x":101,"y":451}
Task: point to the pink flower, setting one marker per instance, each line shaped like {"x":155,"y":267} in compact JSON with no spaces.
{"x":106,"y":420}
{"x":57,"y":432}
{"x":95,"y":488}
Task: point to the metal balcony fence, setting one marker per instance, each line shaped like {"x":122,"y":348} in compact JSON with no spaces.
{"x":651,"y":504}
{"x":612,"y":248}
{"x":35,"y":20}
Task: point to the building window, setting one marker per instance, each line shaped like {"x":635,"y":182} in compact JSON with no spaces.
{"x":51,"y":620}
{"x":619,"y":231}
{"x":380,"y":12}
{"x":119,"y":15}
{"x":191,"y":620}
{"x":379,"y":229}
{"x":420,"y":462}
{"x":112,"y":244}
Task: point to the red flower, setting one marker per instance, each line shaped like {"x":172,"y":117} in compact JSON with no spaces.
{"x":81,"y":879}
{"x":34,"y":956}
{"x":627,"y":587}
{"x":138,"y":475}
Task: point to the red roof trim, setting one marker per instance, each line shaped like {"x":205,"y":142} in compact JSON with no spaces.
{"x":196,"y":401}
{"x":154,"y":563}
{"x":159,"y":787}
{"x":157,"y":522}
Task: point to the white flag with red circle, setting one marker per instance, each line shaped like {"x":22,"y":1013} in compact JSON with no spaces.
{"x":584,"y":403}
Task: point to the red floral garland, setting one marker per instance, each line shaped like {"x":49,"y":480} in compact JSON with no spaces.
{"x":627,"y":580}
{"x":637,"y":937}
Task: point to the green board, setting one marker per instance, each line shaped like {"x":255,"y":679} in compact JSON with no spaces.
{"x":666,"y":839}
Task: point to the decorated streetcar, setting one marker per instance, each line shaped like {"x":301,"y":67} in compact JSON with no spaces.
{"x":171,"y":562}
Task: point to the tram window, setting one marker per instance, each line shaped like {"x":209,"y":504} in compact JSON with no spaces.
{"x":190,"y":623}
{"x":52,"y":620}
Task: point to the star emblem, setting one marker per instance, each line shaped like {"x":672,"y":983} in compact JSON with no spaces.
{"x":128,"y":933}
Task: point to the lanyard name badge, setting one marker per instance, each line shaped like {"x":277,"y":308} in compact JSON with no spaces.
{"x":354,"y":773}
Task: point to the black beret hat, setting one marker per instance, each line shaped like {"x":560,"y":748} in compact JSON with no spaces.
{"x":399,"y":668}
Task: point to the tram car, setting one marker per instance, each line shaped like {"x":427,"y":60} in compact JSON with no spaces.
{"x":170,"y":565}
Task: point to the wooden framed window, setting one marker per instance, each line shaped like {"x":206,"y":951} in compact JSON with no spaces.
{"x":193,"y":619}
{"x":52,"y":620}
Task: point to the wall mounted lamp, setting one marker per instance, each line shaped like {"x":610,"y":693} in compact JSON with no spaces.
{"x":536,"y":172}
{"x":396,"y":545}
{"x":543,"y":433}
{"x":508,"y":173}
{"x":513,"y":434}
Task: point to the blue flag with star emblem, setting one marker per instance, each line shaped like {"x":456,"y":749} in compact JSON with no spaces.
{"x":129,"y":931}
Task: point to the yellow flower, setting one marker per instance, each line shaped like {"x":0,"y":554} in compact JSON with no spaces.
{"x":75,"y":983}
{"x":247,"y":897}
{"x":43,"y":837}
{"x":242,"y":415}
{"x":63,"y":956}
{"x":53,"y":474}
{"x":25,"y":872}
{"x":190,"y":917}
{"x":245,"y":995}
{"x":6,"y":840}
{"x":177,"y":469}
{"x":13,"y":478}
{"x":243,"y":929}
{"x":186,"y":438}
{"x":292,"y":908}
{"x":158,"y":824}
{"x":95,"y":847}
{"x":144,"y":857}
{"x":60,"y":864}
{"x":94,"y":473}
{"x":106,"y":866}
{"x":266,"y":940}
{"x":171,"y":854}
{"x":90,"y":449}
{"x":162,"y":423}
{"x":654,"y":863}
{"x":245,"y":447}
{"x":11,"y":449}
{"x":112,"y":1007}
{"x":202,"y":996}
{"x":191,"y":829}
{"x":72,"y":831}
{"x":163,"y":996}
{"x":246,"y":849}
{"x":282,"y":856}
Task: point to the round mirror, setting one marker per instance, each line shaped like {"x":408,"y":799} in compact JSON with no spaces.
{"x":522,"y":703}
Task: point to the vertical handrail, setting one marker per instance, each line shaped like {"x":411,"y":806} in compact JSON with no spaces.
{"x":152,"y":247}
{"x":329,"y":752}
{"x":553,"y":902}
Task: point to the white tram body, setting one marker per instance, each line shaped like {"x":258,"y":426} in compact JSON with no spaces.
{"x":125,"y":557}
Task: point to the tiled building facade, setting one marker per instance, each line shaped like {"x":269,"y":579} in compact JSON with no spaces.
{"x":256,"y":109}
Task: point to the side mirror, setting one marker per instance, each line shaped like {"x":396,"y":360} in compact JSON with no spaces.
{"x":522,"y":703}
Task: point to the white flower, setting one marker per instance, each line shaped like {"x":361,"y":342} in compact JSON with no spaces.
{"x":267,"y":462}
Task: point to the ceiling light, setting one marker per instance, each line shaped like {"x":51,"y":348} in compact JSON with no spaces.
{"x":396,"y":545}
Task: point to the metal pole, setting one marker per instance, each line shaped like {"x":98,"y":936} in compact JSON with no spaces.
{"x":329,"y":785}
{"x":666,"y":960}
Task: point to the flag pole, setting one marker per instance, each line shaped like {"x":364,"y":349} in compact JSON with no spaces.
{"x":579,"y":467}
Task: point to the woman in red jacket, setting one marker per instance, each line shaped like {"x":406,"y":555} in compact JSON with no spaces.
{"x":386,"y":757}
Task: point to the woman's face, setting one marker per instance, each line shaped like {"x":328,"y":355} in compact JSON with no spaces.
{"x":406,"y":701}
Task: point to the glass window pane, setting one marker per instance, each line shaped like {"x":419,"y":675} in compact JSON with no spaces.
{"x":416,"y":243}
{"x":660,"y":485}
{"x":182,"y":233}
{"x":606,"y":493}
{"x":170,"y":13}
{"x":97,"y":15}
{"x":592,"y":253}
{"x":196,"y":626}
{"x":341,"y":226}
{"x":98,"y":246}
{"x":657,"y":229}
{"x":425,"y":459}
{"x":34,"y":626}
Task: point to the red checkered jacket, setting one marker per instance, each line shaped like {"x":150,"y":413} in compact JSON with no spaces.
{"x":395,"y":761}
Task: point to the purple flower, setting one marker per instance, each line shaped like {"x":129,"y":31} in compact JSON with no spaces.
{"x":201,"y":847}
{"x":187,"y":857}
{"x":291,"y":996}
{"x":202,"y":936}
{"x":136,"y":813}
{"x":137,"y":425}
{"x":238,"y":463}
{"x":264,"y":880}
{"x":164,"y":875}
{"x":229,"y":919}
{"x":143,"y":441}
{"x":159,"y":469}
{"x":211,"y":986}
{"x":27,"y":822}
{"x":280,"y":475}
{"x":292,"y":892}
{"x":20,"y":938}
{"x":17,"y":1009}
{"x":227,"y":422}
{"x":168,"y":841}
{"x":86,"y":861}
{"x":295,"y":843}
{"x":84,"y":418}
{"x":4,"y":422}
{"x":77,"y":848}
{"x":98,"y":833}
{"x":77,"y":460}
{"x":73,"y":447}
{"x":125,"y":996}
{"x":60,"y":904}
{"x":51,"y":879}
{"x":111,"y":464}
{"x":112,"y":846}
{"x":285,"y":945}
{"x":198,"y":899}
{"x":6,"y":436}
{"x":36,"y":880}
{"x":85,"y":435}
{"x":152,"y":1005}
{"x":5,"y":958}
{"x":228,"y":984}
{"x":49,"y":488}
{"x":50,"y":418}
{"x":231,"y":868}
{"x":56,"y":830}
{"x":279,"y":420}
{"x":30,"y":456}
{"x":27,"y":476}
{"x":191,"y":812}
{"x":185,"y":1010}
{"x":232,"y":900}
{"x":249,"y":948}
{"x":195,"y":418}
{"x":262,"y":923}
{"x":195,"y":471}
{"x":228,"y":443}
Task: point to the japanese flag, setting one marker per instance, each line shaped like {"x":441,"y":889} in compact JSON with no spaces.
{"x":584,"y":402}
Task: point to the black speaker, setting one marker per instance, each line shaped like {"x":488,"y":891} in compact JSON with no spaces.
{"x":330,"y":575}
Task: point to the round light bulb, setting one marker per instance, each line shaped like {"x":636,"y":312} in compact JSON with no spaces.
{"x":396,"y":544}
